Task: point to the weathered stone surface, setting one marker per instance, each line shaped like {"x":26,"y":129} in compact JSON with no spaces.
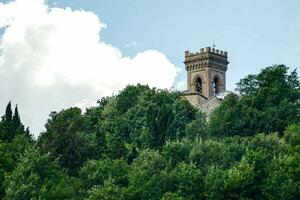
{"x":206,"y":78}
{"x":209,"y":66}
{"x":202,"y":103}
{"x":195,"y":98}
{"x":209,"y":106}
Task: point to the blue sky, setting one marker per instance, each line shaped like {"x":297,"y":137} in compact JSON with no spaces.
{"x":255,"y":33}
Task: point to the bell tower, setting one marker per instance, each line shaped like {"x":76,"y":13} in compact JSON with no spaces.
{"x":206,"y":71}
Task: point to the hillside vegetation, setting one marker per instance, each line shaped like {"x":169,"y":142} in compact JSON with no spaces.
{"x":146,"y":143}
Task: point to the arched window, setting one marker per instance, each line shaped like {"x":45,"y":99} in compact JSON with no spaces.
{"x":216,"y":85}
{"x":199,"y":85}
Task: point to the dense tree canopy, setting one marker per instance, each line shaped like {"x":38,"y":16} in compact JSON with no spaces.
{"x":65,"y":139}
{"x":269,"y":102}
{"x":140,"y":117}
{"x":13,"y":140}
{"x":146,"y":143}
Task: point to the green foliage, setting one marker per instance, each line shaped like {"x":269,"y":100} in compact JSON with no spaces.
{"x":147,"y":178}
{"x":292,"y":135}
{"x":225,"y":120}
{"x":152,"y":144}
{"x":197,"y":127}
{"x":65,"y":140}
{"x":109,"y":191}
{"x":11,"y":126}
{"x":189,"y":180}
{"x":283,"y":180}
{"x":284,"y":170}
{"x":8,"y":113}
{"x":247,"y":178}
{"x":96,"y":172}
{"x":171,"y":196}
{"x":93,"y":120}
{"x":36,"y":177}
{"x":269,"y":102}
{"x":222,"y":152}
{"x":145,"y":118}
{"x":177,"y":151}
{"x":6,"y":163}
{"x":13,"y":140}
{"x":16,"y":122}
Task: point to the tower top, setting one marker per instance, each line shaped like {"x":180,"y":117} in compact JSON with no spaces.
{"x":207,"y":50}
{"x":206,"y":57}
{"x":206,"y":71}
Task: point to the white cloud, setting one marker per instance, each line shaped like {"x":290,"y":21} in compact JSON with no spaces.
{"x":53,"y":58}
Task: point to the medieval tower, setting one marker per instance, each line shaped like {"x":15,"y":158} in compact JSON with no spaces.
{"x":206,"y":77}
{"x":206,"y":71}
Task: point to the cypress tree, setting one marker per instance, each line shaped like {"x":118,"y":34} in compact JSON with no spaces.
{"x":6,"y":126}
{"x":16,"y":122}
{"x":11,"y":125}
{"x":8,"y":113}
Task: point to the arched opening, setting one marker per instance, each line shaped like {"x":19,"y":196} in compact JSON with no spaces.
{"x":198,"y":85}
{"x":216,"y":86}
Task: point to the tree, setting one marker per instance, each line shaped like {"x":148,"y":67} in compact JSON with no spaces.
{"x":108,"y":191}
{"x":197,"y":127}
{"x":66,"y":141}
{"x":214,"y":183}
{"x":159,"y":126}
{"x":171,"y":196}
{"x":292,"y":135}
{"x":284,"y":170}
{"x":93,"y":125}
{"x":147,"y":177}
{"x":7,"y":132}
{"x":6,"y":164}
{"x":10,"y":153}
{"x":243,"y":180}
{"x":37,"y":177}
{"x":140,"y":118}
{"x":283,"y":178}
{"x":158,"y":117}
{"x":8,"y":113}
{"x":11,"y":125}
{"x":177,"y":151}
{"x":96,"y":172}
{"x":189,"y":180}
{"x":223,"y":152}
{"x":269,"y":102}
{"x":16,"y":119}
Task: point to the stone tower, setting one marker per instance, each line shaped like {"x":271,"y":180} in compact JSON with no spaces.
{"x":206,"y":71}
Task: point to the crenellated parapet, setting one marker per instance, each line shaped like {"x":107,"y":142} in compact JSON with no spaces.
{"x":206,"y":57}
{"x":206,"y":71}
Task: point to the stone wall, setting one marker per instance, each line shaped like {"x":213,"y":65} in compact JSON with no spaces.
{"x":205,"y":105}
{"x":195,"y":99}
{"x":209,"y":106}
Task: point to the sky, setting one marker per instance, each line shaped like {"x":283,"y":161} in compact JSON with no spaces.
{"x":57,"y":54}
